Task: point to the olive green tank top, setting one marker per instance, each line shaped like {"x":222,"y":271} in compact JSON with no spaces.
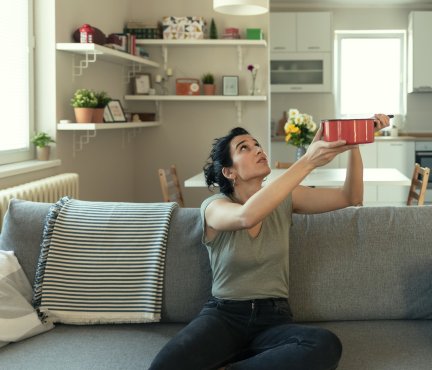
{"x":244,"y":267}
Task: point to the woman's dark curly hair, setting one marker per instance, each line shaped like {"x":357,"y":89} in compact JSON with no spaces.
{"x":220,"y":157}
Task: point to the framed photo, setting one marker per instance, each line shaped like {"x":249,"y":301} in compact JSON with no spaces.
{"x":107,"y":116}
{"x":142,"y":84}
{"x":116,"y":110}
{"x":230,"y":85}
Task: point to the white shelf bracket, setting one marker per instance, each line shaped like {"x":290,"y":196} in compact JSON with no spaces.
{"x":77,"y":68}
{"x":240,"y":57}
{"x":129,"y":134}
{"x":158,"y":110}
{"x":79,"y":140}
{"x":238,"y":105}
{"x":165,"y":56}
{"x":131,"y":71}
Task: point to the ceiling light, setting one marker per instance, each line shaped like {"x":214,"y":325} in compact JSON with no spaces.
{"x":241,"y":7}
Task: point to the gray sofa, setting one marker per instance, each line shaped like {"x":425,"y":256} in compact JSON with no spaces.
{"x":364,"y":273}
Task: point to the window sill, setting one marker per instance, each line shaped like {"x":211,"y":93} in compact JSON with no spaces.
{"x":19,"y":168}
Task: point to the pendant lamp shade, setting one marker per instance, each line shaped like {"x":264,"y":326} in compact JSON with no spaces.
{"x":241,"y":7}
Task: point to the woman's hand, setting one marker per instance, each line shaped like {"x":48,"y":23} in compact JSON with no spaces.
{"x":321,"y":152}
{"x":381,"y":121}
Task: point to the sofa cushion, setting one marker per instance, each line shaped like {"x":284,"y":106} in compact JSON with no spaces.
{"x":18,"y":319}
{"x":187,"y":269}
{"x":367,"y":263}
{"x":22,"y":232}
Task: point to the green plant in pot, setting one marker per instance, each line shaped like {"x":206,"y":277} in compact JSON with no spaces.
{"x":209,"y":87}
{"x":84,"y":102}
{"x":102,"y":101}
{"x":42,"y":140}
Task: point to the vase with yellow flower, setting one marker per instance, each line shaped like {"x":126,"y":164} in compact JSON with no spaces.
{"x":299,"y":131}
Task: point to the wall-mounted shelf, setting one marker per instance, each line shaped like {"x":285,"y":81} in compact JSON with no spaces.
{"x":238,"y":100}
{"x":93,"y":52}
{"x":206,"y":42}
{"x":196,"y":97}
{"x":104,"y":126}
{"x":238,"y":44}
{"x":90,"y":131}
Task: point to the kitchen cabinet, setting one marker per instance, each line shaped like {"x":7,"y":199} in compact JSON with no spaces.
{"x":283,"y":35}
{"x":420,"y":52}
{"x":300,"y":72}
{"x":300,"y":32}
{"x":399,"y":154}
{"x":300,"y":55}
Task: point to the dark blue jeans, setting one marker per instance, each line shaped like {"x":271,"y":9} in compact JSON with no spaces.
{"x":257,"y":334}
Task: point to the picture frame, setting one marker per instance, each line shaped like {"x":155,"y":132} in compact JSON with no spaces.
{"x":142,"y":84}
{"x":230,"y":85}
{"x":107,"y":117}
{"x":116,"y":110}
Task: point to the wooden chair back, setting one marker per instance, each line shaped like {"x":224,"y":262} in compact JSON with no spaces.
{"x":170,"y":185}
{"x":419,"y":184}
{"x":283,"y":164}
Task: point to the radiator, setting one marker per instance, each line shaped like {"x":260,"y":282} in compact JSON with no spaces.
{"x":47,"y":190}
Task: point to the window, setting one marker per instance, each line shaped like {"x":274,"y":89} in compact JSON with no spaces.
{"x":16,"y":92}
{"x":370,"y":73}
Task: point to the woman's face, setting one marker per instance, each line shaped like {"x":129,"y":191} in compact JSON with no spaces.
{"x":249,"y":159}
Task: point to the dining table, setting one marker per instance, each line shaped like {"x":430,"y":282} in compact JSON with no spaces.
{"x":327,"y":177}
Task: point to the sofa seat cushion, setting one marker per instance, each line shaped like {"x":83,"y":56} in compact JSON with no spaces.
{"x":96,"y":347}
{"x":367,"y":345}
{"x":384,"y":344}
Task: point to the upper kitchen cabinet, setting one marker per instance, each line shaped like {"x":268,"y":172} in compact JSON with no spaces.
{"x":420,"y":52}
{"x":300,"y":52}
{"x":300,"y":32}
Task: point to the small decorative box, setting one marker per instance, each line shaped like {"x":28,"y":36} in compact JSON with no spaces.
{"x":254,"y":34}
{"x":183,"y":28}
{"x":187,"y":86}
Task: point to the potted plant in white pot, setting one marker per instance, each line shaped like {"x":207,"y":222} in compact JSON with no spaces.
{"x":102,"y":101}
{"x":42,"y":140}
{"x":209,"y":87}
{"x":84,"y":102}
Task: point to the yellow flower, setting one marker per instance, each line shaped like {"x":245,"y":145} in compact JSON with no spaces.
{"x":299,"y":128}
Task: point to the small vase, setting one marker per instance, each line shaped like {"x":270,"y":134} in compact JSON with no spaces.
{"x":42,"y":153}
{"x":98,"y":115}
{"x":84,"y":115}
{"x":209,"y":89}
{"x":300,"y":152}
{"x":253,"y":90}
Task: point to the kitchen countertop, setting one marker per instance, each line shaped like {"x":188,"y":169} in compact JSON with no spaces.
{"x":417,"y":136}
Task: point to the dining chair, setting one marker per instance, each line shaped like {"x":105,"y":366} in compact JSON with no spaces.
{"x":279,"y":164}
{"x":170,"y":185}
{"x":419,"y":184}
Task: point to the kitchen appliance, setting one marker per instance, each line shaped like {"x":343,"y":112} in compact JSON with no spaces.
{"x":354,"y":131}
{"x":423,"y":156}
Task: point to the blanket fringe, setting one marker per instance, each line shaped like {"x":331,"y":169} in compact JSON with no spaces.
{"x":46,"y":241}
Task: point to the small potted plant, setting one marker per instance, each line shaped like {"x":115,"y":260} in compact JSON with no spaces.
{"x":209,"y":87}
{"x":42,"y":140}
{"x":102,"y":101}
{"x":84,"y":102}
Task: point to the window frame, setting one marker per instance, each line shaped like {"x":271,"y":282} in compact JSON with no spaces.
{"x":24,"y":154}
{"x":372,"y":34}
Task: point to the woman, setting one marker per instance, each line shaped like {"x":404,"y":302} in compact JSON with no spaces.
{"x":247,"y":324}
